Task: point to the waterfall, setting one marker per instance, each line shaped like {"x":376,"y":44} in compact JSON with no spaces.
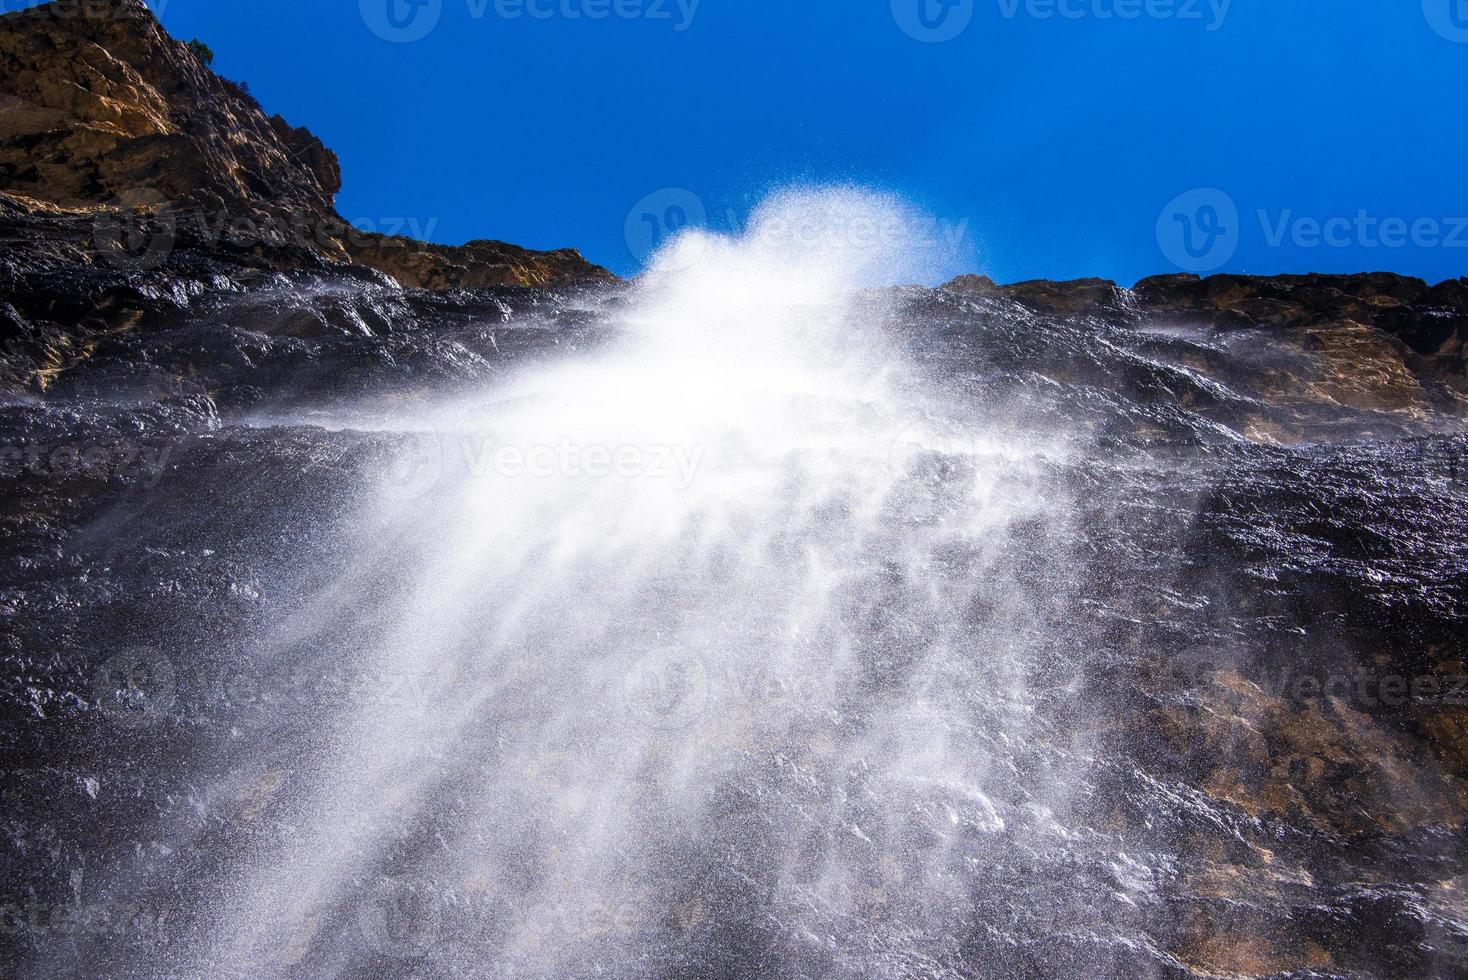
{"x":731,"y":625}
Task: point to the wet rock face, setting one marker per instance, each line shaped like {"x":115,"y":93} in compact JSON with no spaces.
{"x":1428,"y":324}
{"x":133,"y":181}
{"x":1240,"y":747}
{"x":101,"y":112}
{"x":1252,"y":672}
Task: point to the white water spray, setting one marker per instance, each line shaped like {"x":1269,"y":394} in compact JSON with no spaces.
{"x":711,"y":645}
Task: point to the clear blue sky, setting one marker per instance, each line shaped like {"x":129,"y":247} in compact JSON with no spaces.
{"x":1059,"y":140}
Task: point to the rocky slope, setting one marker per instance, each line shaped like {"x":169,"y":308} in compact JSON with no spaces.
{"x":102,"y":113}
{"x":1241,"y":744}
{"x":1397,"y":325}
{"x":1242,"y":749}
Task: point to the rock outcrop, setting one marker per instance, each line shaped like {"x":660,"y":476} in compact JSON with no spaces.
{"x":1244,"y":627}
{"x":102,"y":113}
{"x":100,"y":102}
{"x":1427,"y":324}
{"x":473,"y":265}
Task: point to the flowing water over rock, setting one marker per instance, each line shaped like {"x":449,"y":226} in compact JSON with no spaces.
{"x":748,"y":621}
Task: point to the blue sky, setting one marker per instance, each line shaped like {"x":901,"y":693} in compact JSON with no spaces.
{"x":1057,"y":135}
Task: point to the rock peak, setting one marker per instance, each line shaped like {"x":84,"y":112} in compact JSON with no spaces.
{"x":101,"y":108}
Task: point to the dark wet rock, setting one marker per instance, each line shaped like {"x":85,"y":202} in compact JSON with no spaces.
{"x":1043,"y":295}
{"x":1271,"y":524}
{"x":1253,"y":618}
{"x":1427,"y":324}
{"x":280,"y":316}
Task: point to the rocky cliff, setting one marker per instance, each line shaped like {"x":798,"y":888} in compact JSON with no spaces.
{"x":1400,"y":324}
{"x":1176,"y":574}
{"x":104,"y":115}
{"x":1242,"y":751}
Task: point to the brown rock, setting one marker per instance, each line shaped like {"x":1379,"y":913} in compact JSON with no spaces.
{"x":99,"y":100}
{"x":99,"y":107}
{"x":1045,"y":296}
{"x":1404,"y":327}
{"x":471,"y":266}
